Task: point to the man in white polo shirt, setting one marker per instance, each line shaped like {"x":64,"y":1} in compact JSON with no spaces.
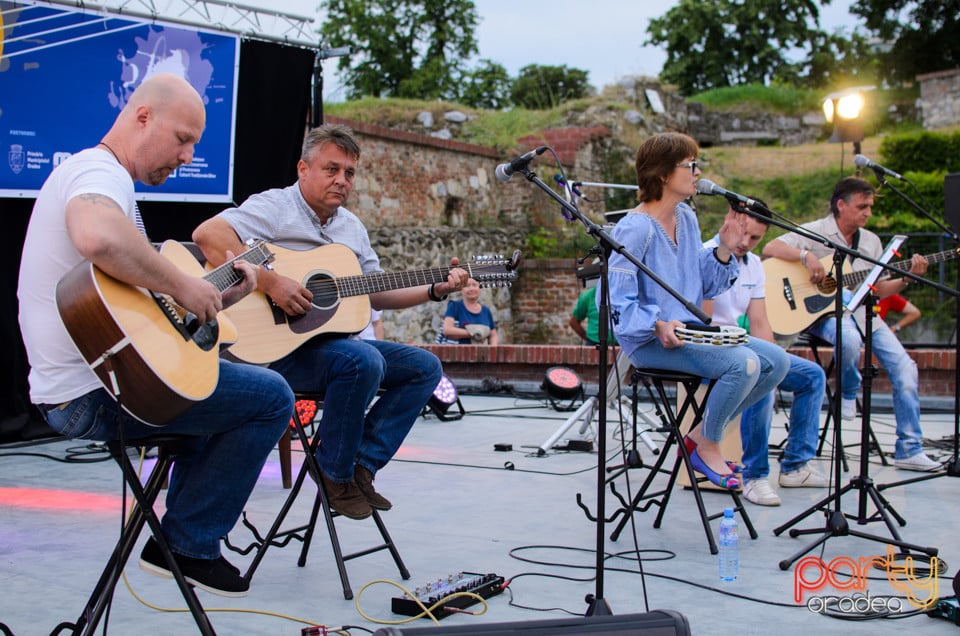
{"x":744,"y":305}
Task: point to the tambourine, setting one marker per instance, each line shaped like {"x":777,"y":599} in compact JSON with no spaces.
{"x":722,"y":336}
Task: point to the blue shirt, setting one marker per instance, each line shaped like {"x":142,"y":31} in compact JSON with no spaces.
{"x":636,"y":300}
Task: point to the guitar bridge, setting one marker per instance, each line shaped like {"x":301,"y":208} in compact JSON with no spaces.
{"x":788,"y":294}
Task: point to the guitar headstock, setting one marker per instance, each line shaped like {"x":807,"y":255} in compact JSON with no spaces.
{"x":494,"y":270}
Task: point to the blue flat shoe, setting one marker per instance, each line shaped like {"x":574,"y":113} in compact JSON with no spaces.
{"x":729,"y":482}
{"x":692,"y":446}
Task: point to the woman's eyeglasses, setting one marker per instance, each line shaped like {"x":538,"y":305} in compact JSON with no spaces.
{"x":693,"y":165}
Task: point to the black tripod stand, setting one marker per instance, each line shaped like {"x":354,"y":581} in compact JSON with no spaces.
{"x":836,"y":519}
{"x":606,"y":244}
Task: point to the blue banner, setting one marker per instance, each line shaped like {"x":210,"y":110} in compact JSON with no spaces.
{"x":65,"y":74}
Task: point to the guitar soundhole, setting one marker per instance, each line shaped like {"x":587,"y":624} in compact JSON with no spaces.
{"x":324,"y":290}
{"x":828,"y":285}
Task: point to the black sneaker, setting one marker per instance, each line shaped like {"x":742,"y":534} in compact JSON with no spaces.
{"x":346,"y":498}
{"x":363,"y":478}
{"x":216,"y":576}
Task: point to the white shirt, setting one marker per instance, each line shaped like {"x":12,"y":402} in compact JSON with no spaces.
{"x":750,"y":285}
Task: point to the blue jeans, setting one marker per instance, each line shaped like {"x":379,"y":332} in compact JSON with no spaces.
{"x":349,"y":373}
{"x":213,"y":474}
{"x":744,"y":374}
{"x":901,"y":370}
{"x":807,"y":382}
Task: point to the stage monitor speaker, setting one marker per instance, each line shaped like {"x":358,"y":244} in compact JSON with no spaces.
{"x":655,"y":623}
{"x":951,"y":201}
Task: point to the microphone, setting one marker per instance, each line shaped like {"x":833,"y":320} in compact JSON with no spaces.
{"x":506,"y":170}
{"x":705,"y":186}
{"x":862,"y":162}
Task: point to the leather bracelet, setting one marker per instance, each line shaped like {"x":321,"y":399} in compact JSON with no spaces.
{"x":432,"y":295}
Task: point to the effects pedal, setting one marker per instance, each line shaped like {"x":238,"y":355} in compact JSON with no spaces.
{"x":483,"y":585}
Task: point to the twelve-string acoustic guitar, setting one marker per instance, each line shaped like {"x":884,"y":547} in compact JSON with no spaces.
{"x":340,"y":304}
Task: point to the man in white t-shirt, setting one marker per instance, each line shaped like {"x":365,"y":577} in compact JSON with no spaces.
{"x":744,"y":305}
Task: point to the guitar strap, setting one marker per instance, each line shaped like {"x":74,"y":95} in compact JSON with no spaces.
{"x":854,"y":244}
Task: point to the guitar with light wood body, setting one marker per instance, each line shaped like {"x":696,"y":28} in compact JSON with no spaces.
{"x":794,"y":303}
{"x":144,"y":348}
{"x":341,"y":305}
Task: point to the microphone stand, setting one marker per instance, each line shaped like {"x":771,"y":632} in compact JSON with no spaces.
{"x":836,"y":523}
{"x":953,"y":467}
{"x":596,"y":603}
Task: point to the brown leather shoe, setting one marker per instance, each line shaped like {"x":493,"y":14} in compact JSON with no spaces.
{"x":363,"y":478}
{"x":346,"y":498}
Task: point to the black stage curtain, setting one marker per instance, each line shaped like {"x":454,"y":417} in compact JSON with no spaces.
{"x":273,"y":97}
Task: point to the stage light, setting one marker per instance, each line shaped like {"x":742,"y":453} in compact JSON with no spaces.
{"x":445,"y":396}
{"x":844,"y":110}
{"x":562,"y":383}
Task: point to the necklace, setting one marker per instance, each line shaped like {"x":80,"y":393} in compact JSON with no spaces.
{"x":110,"y":150}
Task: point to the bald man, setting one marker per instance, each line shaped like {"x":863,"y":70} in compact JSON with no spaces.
{"x":86,"y":210}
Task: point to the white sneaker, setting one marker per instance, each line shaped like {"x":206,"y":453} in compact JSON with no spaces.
{"x":848,"y":408}
{"x":919,"y":462}
{"x":804,"y":477}
{"x":758,"y":491}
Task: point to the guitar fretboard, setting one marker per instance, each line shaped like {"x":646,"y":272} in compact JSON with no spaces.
{"x":385,"y":281}
{"x":855,"y":278}
{"x":227,"y":276}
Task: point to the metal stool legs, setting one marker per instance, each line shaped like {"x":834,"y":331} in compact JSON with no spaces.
{"x":141,"y":513}
{"x":645,"y":497}
{"x":304,"y":533}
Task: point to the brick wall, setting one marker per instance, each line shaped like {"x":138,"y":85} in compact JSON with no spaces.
{"x":515,"y":363}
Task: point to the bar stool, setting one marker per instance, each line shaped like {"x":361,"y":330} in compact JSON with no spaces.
{"x":304,"y":533}
{"x":647,"y":495}
{"x":144,"y":496}
{"x":815,"y":343}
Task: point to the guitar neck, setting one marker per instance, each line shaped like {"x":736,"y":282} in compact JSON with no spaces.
{"x":385,"y":281}
{"x":855,"y":278}
{"x":226,"y":276}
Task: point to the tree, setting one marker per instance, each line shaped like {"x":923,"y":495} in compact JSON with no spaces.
{"x":486,"y":86}
{"x":925,"y":35}
{"x":541,"y":87}
{"x":719,"y":43}
{"x":403,"y":48}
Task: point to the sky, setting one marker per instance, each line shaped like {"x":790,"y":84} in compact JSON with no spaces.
{"x":603,"y":37}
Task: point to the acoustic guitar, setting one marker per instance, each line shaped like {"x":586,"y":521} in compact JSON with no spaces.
{"x":340,"y":305}
{"x":794,"y":303}
{"x":145,"y":349}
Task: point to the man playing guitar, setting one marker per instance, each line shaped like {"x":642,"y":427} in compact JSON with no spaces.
{"x":850,"y":208}
{"x":357,"y":439}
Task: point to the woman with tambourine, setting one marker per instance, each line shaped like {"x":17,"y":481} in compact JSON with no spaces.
{"x":652,"y":325}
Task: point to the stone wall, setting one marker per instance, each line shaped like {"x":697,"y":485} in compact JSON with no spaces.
{"x":426,"y":199}
{"x":940,"y":99}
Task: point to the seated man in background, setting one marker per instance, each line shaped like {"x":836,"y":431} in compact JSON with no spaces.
{"x":744,"y":305}
{"x":851,"y":206}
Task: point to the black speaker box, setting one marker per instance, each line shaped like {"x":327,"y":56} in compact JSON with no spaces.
{"x":655,"y":623}
{"x":951,"y":200}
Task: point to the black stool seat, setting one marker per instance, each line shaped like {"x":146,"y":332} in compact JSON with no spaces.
{"x":144,"y":496}
{"x":647,"y":495}
{"x":304,"y":533}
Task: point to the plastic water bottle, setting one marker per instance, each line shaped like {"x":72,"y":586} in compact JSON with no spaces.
{"x":729,"y":546}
